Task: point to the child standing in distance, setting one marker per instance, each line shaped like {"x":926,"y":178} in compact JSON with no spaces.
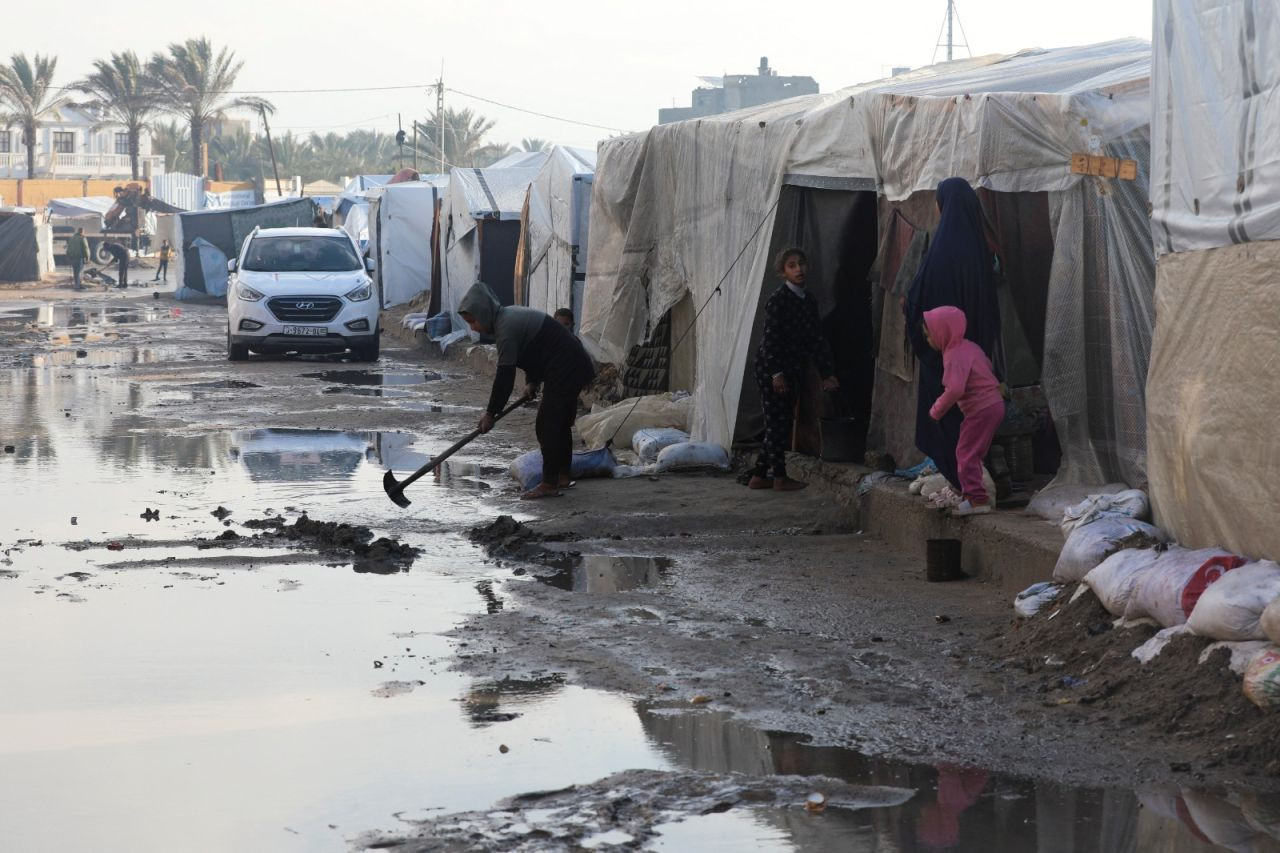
{"x":792,"y":337}
{"x":969,"y":382}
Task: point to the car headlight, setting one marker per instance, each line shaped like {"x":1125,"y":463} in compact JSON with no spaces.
{"x":247,"y":293}
{"x":361,"y":293}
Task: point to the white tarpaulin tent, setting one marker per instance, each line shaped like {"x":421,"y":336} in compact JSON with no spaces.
{"x":1215,"y":194}
{"x":672,"y":208}
{"x":554,"y":231}
{"x":479,"y":231}
{"x":401,"y":222}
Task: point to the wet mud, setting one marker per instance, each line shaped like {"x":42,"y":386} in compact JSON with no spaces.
{"x":626,"y":810}
{"x":1082,"y":667}
{"x":693,"y":647}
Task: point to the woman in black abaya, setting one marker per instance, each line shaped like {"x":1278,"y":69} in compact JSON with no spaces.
{"x":957,"y":270}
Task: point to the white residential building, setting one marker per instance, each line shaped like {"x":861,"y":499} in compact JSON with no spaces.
{"x":73,"y":143}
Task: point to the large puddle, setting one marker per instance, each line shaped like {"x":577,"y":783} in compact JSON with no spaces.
{"x":168,"y":686}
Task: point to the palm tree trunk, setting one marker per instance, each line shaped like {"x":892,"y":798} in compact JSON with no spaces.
{"x":197,"y":139}
{"x":134,"y":132}
{"x":29,"y":137}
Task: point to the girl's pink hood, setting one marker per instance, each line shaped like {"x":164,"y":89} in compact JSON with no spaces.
{"x":946,"y":325}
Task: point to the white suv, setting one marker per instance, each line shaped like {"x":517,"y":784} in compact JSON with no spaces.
{"x":301,"y":290}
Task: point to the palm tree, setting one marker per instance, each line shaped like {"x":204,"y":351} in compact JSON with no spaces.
{"x":122,"y":91}
{"x":464,"y":133}
{"x":194,"y":83}
{"x":26,"y":87}
{"x":171,"y":141}
{"x":240,"y":155}
{"x":534,"y":144}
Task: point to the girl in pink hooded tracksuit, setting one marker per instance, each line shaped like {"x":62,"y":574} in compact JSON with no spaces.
{"x":967,"y":381}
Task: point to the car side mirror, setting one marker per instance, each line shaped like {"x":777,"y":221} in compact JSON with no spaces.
{"x":369,"y":265}
{"x":231,"y":265}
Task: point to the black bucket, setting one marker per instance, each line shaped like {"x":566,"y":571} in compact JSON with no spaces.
{"x":943,"y":560}
{"x":843,"y":439}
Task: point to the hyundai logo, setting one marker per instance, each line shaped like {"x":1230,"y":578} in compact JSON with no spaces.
{"x":304,"y":306}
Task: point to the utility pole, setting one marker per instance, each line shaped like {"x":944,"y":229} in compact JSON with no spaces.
{"x":415,"y":145}
{"x":400,"y":138}
{"x":262,"y":110}
{"x":440,"y":118}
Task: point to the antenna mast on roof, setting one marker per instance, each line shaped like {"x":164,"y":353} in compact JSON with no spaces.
{"x":440,"y":117}
{"x":949,"y":24}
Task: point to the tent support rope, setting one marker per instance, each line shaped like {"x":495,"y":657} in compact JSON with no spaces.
{"x":694,"y":322}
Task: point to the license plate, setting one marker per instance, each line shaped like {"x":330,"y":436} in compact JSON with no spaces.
{"x":309,"y":331}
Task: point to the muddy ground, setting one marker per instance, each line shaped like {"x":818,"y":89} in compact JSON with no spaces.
{"x":720,"y":613}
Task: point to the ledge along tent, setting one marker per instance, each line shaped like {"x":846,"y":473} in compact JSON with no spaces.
{"x":402,"y":237}
{"x":673,"y":207}
{"x":479,"y":233}
{"x":209,"y":238}
{"x":1215,"y":194}
{"x":552,"y":257}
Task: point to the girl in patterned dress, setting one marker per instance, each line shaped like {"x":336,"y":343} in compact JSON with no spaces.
{"x":792,"y":337}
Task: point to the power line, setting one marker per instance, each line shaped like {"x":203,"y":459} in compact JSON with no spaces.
{"x":535,"y":113}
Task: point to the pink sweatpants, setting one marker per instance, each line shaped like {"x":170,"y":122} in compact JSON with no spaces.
{"x":976,"y":432}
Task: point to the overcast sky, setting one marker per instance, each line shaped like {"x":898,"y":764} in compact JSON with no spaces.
{"x":604,"y":63}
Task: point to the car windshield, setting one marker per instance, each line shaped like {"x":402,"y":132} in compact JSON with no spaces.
{"x":304,"y":253}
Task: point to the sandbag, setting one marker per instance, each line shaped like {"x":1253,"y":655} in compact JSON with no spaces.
{"x":1169,"y":592}
{"x":1262,"y":679}
{"x":526,"y":469}
{"x":1089,"y":545}
{"x":1232,"y":608}
{"x":1131,"y":503}
{"x":650,"y":441}
{"x":1114,"y":579}
{"x":688,"y":455}
{"x":1052,"y":502}
{"x":1270,"y":621}
{"x":1034,"y":598}
{"x":658,"y":410}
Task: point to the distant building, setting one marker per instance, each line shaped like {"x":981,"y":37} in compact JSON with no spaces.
{"x":738,"y":91}
{"x":74,"y":142}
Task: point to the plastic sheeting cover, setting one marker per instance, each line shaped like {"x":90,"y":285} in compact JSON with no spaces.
{"x":406,"y":214}
{"x":19,"y":251}
{"x":673,"y":207}
{"x":1216,"y":131}
{"x":1211,"y":412}
{"x":555,"y":227}
{"x":474,"y":194}
{"x":94,"y":205}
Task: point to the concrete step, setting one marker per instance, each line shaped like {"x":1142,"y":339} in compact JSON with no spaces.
{"x":1004,"y":547}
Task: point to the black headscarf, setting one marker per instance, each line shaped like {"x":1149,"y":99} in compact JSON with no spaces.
{"x":957,"y":270}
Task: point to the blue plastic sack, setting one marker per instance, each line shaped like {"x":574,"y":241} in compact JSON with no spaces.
{"x":527,"y":469}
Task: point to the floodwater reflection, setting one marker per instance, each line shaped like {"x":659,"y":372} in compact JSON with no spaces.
{"x":957,"y":808}
{"x":603,"y":573}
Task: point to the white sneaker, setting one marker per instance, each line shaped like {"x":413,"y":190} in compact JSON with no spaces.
{"x":945,"y":498}
{"x":965,"y":509}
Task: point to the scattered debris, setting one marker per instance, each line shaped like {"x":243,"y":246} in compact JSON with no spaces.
{"x":221,"y":512}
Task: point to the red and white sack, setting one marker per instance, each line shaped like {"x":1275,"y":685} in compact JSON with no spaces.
{"x":1169,"y":592}
{"x":1231,"y":609}
{"x":1113,"y":581}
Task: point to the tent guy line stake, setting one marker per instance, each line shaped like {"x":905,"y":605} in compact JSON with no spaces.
{"x":694,"y":322}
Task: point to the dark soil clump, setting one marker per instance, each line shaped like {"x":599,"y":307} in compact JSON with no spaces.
{"x":506,"y":537}
{"x":1084,"y":666}
{"x":380,"y":556}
